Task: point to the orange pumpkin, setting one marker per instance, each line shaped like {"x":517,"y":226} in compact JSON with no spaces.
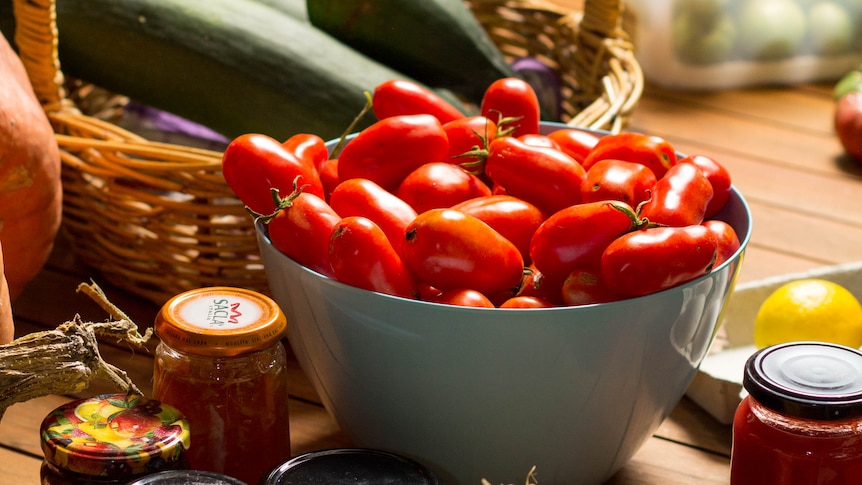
{"x":30,"y":188}
{"x":7,"y":327}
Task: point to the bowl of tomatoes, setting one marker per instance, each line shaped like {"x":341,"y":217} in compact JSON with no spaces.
{"x":517,"y":325}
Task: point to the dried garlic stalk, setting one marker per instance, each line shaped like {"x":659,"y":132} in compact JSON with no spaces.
{"x":531,"y":478}
{"x":67,"y":359}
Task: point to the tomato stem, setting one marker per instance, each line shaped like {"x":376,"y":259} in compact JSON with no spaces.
{"x":637,"y":222}
{"x":506,"y":125}
{"x":369,"y":104}
{"x":280,"y":202}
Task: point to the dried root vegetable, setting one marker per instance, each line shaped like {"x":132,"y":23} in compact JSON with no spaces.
{"x":67,"y":359}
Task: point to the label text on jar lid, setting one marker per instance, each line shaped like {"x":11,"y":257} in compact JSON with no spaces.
{"x":220,"y":312}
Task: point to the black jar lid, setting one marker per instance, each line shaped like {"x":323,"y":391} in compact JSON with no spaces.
{"x":187,"y":477}
{"x":354,"y":466}
{"x":810,"y":380}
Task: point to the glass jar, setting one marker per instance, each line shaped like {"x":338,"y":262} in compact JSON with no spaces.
{"x":350,"y":466}
{"x":112,"y":439}
{"x":188,"y":477}
{"x":221,"y":362}
{"x":801,"y":422}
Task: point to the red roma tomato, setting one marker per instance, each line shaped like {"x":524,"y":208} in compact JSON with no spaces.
{"x":719,"y":179}
{"x":512,"y":98}
{"x":513,"y":218}
{"x":329,"y":177}
{"x":576,"y":236}
{"x":658,"y":258}
{"x":253,"y":164}
{"x":652,"y":151}
{"x":547,"y":178}
{"x":466,"y":135}
{"x":301,"y":231}
{"x":308,"y":148}
{"x":586,"y":287}
{"x":439,"y":184}
{"x":428,"y":292}
{"x":362,"y":256}
{"x":463,"y":297}
{"x":617,"y":180}
{"x":726,"y":238}
{"x":526,"y":302}
{"x":539,"y":285}
{"x":362,"y":197}
{"x":537,"y":140}
{"x":401,"y":97}
{"x":679,"y":198}
{"x":847,"y":121}
{"x":391,"y":148}
{"x":448,"y":249}
{"x":574,"y":142}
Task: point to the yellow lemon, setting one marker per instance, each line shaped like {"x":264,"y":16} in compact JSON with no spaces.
{"x":809,"y":309}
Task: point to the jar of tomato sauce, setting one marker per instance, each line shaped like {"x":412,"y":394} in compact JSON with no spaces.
{"x":112,"y":439}
{"x":801,"y":422}
{"x":221,"y":362}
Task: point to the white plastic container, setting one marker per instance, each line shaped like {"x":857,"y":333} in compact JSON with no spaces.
{"x":717,"y":387}
{"x":720,"y":44}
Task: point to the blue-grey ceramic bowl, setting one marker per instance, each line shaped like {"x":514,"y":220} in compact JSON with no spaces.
{"x":489,"y":393}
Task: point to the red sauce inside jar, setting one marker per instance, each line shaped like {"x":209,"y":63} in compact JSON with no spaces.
{"x":802,"y":422}
{"x":221,"y":362}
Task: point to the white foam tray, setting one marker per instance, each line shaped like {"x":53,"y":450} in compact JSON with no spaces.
{"x":717,"y":387}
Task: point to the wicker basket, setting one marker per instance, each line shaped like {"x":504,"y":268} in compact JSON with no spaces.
{"x":156,"y":219}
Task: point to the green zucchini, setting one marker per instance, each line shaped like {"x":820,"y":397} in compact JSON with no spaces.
{"x":294,"y":8}
{"x":235,"y":66}
{"x":437,"y":42}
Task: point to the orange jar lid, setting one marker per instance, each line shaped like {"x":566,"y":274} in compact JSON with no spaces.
{"x":220,"y":321}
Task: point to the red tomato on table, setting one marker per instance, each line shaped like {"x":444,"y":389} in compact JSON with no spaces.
{"x":726,"y":238}
{"x":466,"y":135}
{"x":362,"y":197}
{"x":391,"y":148}
{"x":649,"y":150}
{"x":587,"y":287}
{"x":439,"y":184}
{"x":253,"y":164}
{"x":402,"y":97}
{"x":575,"y":237}
{"x":680,"y":198}
{"x":526,"y":302}
{"x":574,"y":142}
{"x":513,"y":99}
{"x":611,"y":179}
{"x":301,"y":231}
{"x":544,"y":177}
{"x":657,"y":258}
{"x":449,"y":249}
{"x":513,"y":218}
{"x":362,"y":256}
{"x":462,"y":297}
{"x":310,"y":149}
{"x":719,"y":179}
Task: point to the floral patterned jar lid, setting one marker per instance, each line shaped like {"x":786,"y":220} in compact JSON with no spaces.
{"x":114,"y":435}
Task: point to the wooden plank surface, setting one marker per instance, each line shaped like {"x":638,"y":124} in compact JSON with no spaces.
{"x":779,"y":146}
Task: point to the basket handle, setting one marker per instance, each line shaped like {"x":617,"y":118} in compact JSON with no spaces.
{"x":600,"y":24}
{"x":36,"y":38}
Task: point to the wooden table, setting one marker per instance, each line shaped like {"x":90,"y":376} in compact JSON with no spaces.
{"x":779,"y":146}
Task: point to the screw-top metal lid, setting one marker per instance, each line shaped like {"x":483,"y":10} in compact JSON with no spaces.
{"x":220,"y":321}
{"x":811,"y":380}
{"x":114,"y":435}
{"x":354,"y":466}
